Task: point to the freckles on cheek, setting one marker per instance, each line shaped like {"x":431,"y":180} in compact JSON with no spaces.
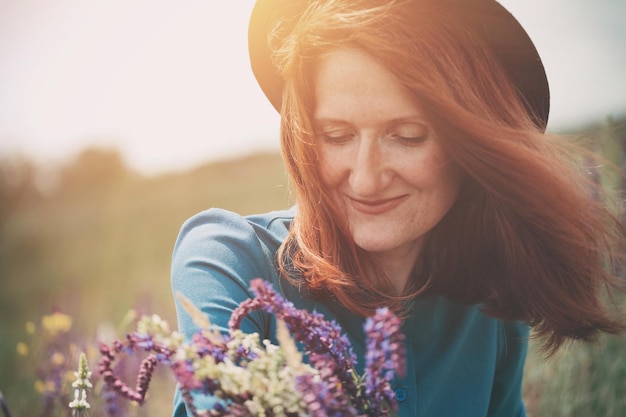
{"x":439,"y":166}
{"x":327,"y":171}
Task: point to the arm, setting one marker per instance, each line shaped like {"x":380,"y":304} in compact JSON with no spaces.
{"x":216,"y":255}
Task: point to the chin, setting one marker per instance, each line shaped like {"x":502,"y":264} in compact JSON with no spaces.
{"x":375,"y":245}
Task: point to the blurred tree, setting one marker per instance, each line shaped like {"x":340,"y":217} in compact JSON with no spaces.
{"x":94,"y":171}
{"x":17,"y":185}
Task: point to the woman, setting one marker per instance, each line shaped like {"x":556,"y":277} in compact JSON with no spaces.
{"x":413,"y":134}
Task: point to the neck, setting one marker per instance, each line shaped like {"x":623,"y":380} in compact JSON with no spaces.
{"x":399,"y":268}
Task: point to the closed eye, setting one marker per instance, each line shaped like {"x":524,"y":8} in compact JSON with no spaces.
{"x":409,"y":133}
{"x":411,"y":140}
{"x":335,"y":139}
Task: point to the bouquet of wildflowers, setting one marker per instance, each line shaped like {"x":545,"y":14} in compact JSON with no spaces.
{"x":250,"y":377}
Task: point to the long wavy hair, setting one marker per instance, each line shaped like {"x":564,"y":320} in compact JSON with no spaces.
{"x":525,"y":238}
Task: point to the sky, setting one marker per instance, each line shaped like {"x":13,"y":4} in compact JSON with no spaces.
{"x":168,"y":83}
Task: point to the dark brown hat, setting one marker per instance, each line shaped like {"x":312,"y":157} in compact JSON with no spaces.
{"x":500,"y":30}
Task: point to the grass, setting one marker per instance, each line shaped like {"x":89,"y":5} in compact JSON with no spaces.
{"x":582,"y":380}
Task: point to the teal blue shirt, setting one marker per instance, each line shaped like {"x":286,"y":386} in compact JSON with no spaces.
{"x":460,"y":362}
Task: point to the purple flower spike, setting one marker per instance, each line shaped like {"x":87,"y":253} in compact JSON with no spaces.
{"x":319,"y":336}
{"x":325,"y":396}
{"x":385,"y":356}
{"x":134,"y":342}
{"x":328,"y":386}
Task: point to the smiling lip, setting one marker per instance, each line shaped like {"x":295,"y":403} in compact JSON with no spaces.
{"x":376,"y":206}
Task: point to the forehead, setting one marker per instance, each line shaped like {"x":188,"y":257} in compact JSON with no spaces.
{"x":350,"y":84}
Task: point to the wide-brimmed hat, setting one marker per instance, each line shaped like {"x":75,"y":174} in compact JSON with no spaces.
{"x":500,"y":30}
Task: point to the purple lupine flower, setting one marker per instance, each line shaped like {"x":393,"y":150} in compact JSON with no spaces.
{"x":146,"y":369}
{"x":332,"y":388}
{"x":310,"y":328}
{"x":143,"y":341}
{"x":385,"y":357}
{"x":206,"y":347}
{"x":107,"y":357}
{"x":111,"y":402}
{"x":324,"y":396}
{"x":315,"y":394}
{"x":183,"y":372}
{"x":242,"y":310}
{"x":134,"y":342}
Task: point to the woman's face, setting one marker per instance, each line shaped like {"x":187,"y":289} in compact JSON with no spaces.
{"x":379,"y":158}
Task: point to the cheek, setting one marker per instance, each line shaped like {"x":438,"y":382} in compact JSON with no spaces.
{"x":329,"y":168}
{"x":449,"y":182}
{"x":439,"y":175}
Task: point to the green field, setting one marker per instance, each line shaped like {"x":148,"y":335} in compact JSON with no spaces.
{"x":98,"y":248}
{"x":99,"y":243}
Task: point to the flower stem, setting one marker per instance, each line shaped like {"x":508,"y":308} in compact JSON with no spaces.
{"x":4,"y":406}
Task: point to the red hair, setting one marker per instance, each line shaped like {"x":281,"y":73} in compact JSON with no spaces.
{"x":525,"y":237}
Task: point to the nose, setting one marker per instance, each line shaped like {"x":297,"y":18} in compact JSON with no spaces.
{"x":368,"y":175}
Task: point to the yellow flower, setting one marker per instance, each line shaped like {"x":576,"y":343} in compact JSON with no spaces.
{"x":40,"y":386}
{"x":92,"y":351}
{"x":44,"y":387}
{"x":68,"y":377}
{"x":57,"y":359}
{"x":22,"y":349}
{"x":56,"y":323}
{"x":30,"y":327}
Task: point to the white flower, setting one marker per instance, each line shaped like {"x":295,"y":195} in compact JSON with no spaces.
{"x":80,"y":400}
{"x":81,"y":384}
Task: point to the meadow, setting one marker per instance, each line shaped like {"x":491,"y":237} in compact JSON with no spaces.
{"x":94,"y":240}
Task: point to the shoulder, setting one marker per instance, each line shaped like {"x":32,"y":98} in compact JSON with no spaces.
{"x":231,"y":240}
{"x":218,"y":232}
{"x":217,"y":222}
{"x":218,"y":253}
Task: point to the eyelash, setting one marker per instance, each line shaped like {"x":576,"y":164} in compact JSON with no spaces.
{"x":341,"y":139}
{"x":336,"y":140}
{"x":412,"y":141}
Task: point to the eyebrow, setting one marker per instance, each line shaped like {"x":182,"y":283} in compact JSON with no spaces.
{"x":330,"y":121}
{"x":399,"y":120}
